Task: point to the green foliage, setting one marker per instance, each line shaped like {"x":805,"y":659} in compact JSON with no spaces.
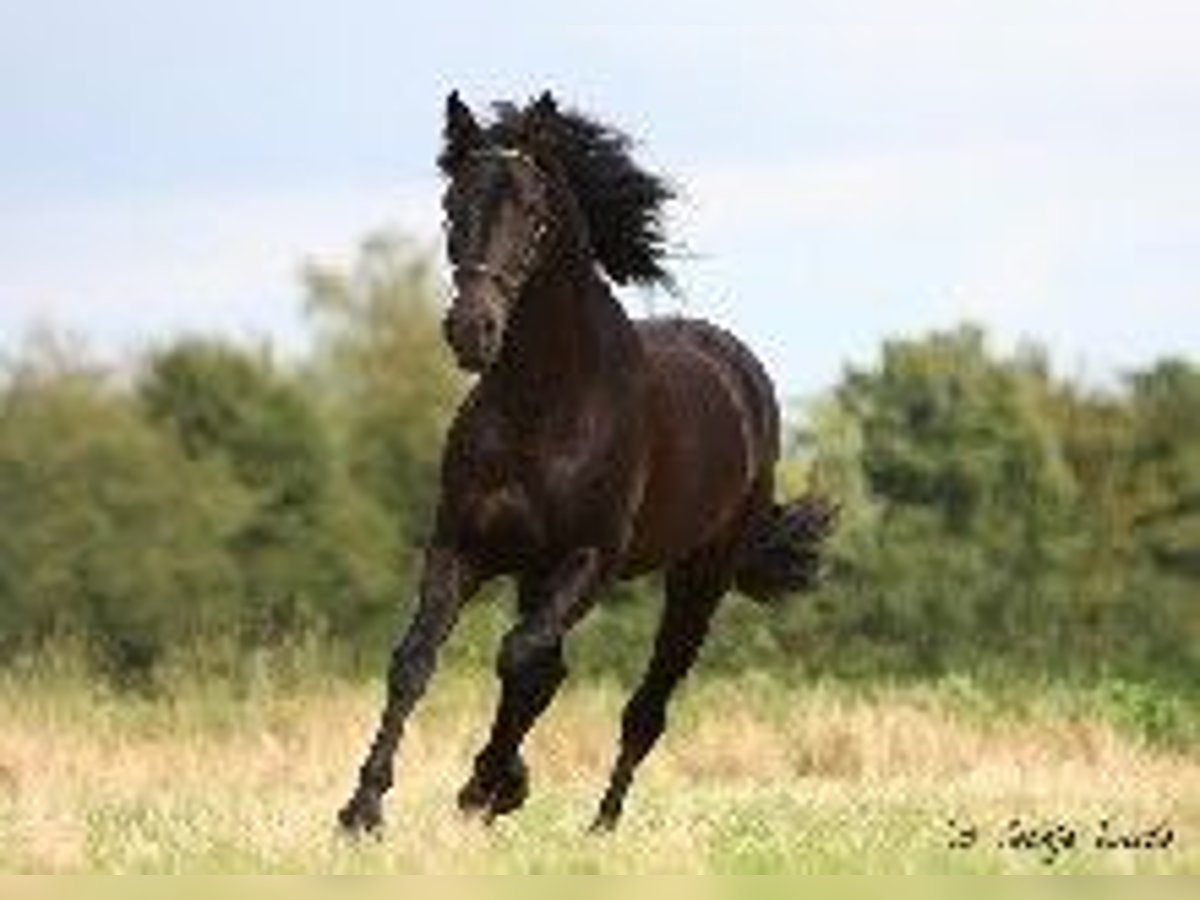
{"x":314,"y":553}
{"x":992,"y":513}
{"x":223,"y":402}
{"x":1165,"y":464}
{"x":1153,"y":715}
{"x":220,"y":507}
{"x":951,"y":430}
{"x":383,"y":372}
{"x":111,"y":535}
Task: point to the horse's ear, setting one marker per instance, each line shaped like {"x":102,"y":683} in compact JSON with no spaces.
{"x":545,"y":107}
{"x":540,"y":119}
{"x":461,"y":133}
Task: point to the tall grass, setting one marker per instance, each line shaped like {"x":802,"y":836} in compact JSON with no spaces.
{"x":753,"y":776}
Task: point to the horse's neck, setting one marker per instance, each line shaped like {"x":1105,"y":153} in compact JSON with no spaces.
{"x":567,"y":337}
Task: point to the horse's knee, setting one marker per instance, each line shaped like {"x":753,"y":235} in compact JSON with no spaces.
{"x":516,"y":651}
{"x":410,"y":667}
{"x":524,"y":654}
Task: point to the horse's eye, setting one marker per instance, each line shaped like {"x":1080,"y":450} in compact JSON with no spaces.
{"x":451,"y":198}
{"x":528,"y":192}
{"x":449,"y":233}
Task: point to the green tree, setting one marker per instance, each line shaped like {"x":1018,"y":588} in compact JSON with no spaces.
{"x":960,"y":450}
{"x":995,"y":515}
{"x":385,"y":376}
{"x":111,"y":535}
{"x":314,"y":554}
{"x":1165,"y":465}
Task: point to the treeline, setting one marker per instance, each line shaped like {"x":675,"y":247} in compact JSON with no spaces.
{"x":996,"y":514}
{"x":213,"y":503}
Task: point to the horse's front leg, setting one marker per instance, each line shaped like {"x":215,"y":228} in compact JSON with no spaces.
{"x":447,"y":580}
{"x":531,"y":668}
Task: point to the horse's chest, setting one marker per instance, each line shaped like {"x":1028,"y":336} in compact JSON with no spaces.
{"x":502,"y":521}
{"x":524,"y":491}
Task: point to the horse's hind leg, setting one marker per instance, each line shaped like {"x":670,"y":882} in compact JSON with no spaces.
{"x":531,"y":668}
{"x":693,"y":591}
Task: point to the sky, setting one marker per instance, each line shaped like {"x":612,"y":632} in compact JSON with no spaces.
{"x":852,"y":170}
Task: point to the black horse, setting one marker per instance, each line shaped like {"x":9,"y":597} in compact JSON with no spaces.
{"x":590,"y":449}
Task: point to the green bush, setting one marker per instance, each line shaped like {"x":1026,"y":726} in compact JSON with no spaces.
{"x":314,"y":553}
{"x":111,"y":534}
{"x":220,"y":507}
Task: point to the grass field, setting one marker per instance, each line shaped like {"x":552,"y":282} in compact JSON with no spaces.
{"x":752,"y":777}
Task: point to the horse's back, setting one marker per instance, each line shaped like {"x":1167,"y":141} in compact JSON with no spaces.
{"x":714,"y":438}
{"x":713,"y":346}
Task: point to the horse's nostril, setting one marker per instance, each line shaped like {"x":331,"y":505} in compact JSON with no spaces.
{"x":474,"y":334}
{"x":489,"y":330}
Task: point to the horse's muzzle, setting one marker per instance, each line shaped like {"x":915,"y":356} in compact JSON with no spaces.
{"x":475,"y":333}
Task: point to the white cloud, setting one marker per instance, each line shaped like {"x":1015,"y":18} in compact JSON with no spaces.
{"x":877,"y":41}
{"x":813,"y":259}
{"x":1089,"y":250}
{"x":886,"y":188}
{"x":123,"y":270}
{"x":853,"y":169}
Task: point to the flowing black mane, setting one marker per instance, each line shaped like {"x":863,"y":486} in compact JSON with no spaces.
{"x":621,"y":201}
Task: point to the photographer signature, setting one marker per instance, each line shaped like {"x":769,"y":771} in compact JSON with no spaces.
{"x":1051,"y":839}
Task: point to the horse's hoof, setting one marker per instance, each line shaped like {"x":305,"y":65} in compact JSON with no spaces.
{"x":603,"y":824}
{"x":474,"y":796}
{"x":511,"y":789}
{"x":607,"y":816}
{"x":362,"y":815}
{"x":495,"y":791}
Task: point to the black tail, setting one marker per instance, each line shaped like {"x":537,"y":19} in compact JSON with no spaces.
{"x":782,"y":553}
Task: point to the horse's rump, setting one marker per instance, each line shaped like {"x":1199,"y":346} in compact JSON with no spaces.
{"x":713,"y":430}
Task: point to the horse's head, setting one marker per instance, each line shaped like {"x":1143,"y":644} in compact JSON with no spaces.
{"x":498,"y":217}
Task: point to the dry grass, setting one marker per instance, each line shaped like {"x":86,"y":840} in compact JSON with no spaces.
{"x":751,"y":777}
